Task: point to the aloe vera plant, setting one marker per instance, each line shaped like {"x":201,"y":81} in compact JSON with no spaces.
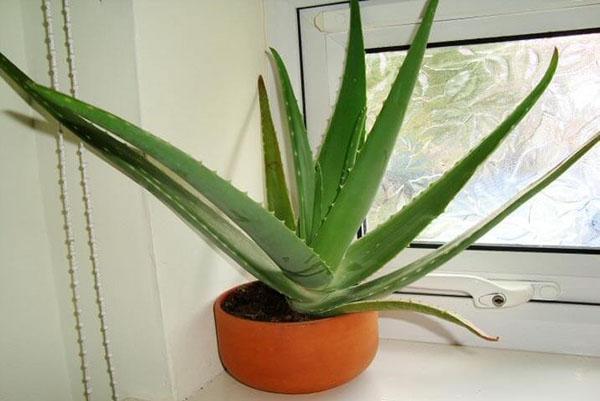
{"x":310,"y":255}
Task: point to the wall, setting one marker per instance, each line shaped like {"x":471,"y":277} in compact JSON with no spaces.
{"x":198,"y":62}
{"x":186,"y":70}
{"x":107,"y":76}
{"x":31,"y":339}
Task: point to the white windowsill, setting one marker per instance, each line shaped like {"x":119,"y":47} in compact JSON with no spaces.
{"x":414,"y":371}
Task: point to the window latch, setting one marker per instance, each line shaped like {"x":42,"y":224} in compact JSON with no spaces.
{"x":485,"y":293}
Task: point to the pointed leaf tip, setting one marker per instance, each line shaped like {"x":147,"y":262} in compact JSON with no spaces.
{"x":301,"y":151}
{"x":353,"y":202}
{"x":405,"y":225}
{"x":338,"y":148}
{"x":414,"y":306}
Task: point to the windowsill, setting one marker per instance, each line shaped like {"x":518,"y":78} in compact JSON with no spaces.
{"x":418,"y":371}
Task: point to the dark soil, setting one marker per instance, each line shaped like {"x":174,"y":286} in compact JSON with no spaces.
{"x":256,"y":301}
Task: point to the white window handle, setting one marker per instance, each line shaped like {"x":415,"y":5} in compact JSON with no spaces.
{"x":485,"y":293}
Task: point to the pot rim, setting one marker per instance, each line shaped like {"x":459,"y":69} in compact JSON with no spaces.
{"x":218,"y":305}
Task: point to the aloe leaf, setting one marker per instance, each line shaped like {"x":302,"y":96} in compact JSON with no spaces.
{"x":318,"y":194}
{"x":16,"y":78}
{"x":413,"y":306}
{"x":400,"y":278}
{"x":303,"y":159}
{"x":355,"y":144}
{"x":289,"y":252}
{"x":355,"y":197}
{"x":352,"y":101}
{"x":278,"y":198}
{"x":371,"y":252}
{"x":348,"y":164}
{"x":189,"y":208}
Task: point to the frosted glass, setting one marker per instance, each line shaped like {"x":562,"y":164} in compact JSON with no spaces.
{"x":464,"y":92}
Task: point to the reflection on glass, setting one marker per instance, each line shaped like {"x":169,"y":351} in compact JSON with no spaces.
{"x":463,"y":93}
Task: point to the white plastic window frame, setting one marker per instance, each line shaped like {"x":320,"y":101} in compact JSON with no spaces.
{"x":311,"y":35}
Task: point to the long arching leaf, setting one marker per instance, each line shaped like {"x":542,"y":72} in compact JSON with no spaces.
{"x":352,"y":101}
{"x":413,"y":306}
{"x":371,"y":252}
{"x":407,"y":275}
{"x":355,"y":197}
{"x":289,"y":252}
{"x":190,"y":208}
{"x":303,"y":160}
{"x":278,"y":198}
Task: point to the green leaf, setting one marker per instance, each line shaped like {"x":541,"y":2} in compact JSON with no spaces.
{"x":355,"y":197}
{"x":297,"y":260}
{"x":355,"y":144}
{"x":352,"y":101}
{"x":318,"y":193}
{"x":16,"y":78}
{"x":348,"y":164}
{"x":288,"y":251}
{"x":216,"y":228}
{"x":303,"y":159}
{"x":187,"y":206}
{"x":400,"y":278}
{"x":278,"y":199}
{"x":367,"y":255}
{"x":413,"y":306}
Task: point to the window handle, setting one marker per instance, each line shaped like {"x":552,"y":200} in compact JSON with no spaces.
{"x":485,"y":293}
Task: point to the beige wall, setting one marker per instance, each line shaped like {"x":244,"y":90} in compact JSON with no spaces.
{"x":32,"y":357}
{"x":186,"y":70}
{"x":198,"y":62}
{"x":104,"y":39}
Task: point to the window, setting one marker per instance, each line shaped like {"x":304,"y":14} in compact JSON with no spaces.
{"x":464,"y":91}
{"x":483,"y":58}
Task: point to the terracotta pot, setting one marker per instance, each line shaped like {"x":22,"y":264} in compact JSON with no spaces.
{"x":296,"y":358}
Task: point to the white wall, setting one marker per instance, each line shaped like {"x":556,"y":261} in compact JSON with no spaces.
{"x":32,"y":357}
{"x":186,"y":70}
{"x":198,"y":62}
{"x":104,"y":40}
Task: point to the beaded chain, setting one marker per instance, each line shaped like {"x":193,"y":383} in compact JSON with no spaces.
{"x":88,"y":210}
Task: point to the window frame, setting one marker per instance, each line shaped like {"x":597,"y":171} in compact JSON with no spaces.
{"x":310,"y":33}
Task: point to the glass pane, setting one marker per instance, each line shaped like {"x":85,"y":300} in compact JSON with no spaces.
{"x":463,"y":93}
